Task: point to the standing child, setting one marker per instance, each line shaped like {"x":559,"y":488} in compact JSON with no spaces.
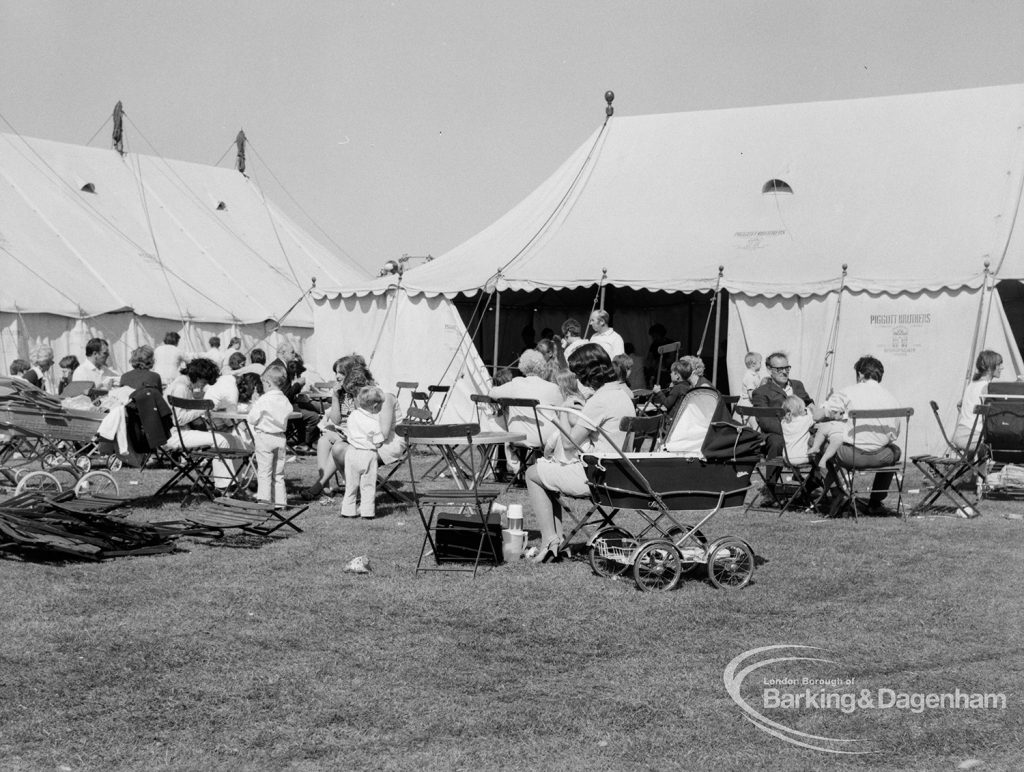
{"x":752,"y":378}
{"x":364,"y":437}
{"x":268,"y":418}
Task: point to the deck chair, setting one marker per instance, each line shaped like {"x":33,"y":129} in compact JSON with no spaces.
{"x":254,"y":517}
{"x":792,"y":484}
{"x":458,"y":524}
{"x":943,"y":473}
{"x":848,"y":479}
{"x":197,"y":463}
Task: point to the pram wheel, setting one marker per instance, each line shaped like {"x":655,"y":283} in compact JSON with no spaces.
{"x":730,"y":564}
{"x":609,"y":552}
{"x":97,"y":484}
{"x":691,"y":552}
{"x":114,"y":463}
{"x":38,"y":482}
{"x":50,"y":460}
{"x":83,"y":463}
{"x":657,"y":566}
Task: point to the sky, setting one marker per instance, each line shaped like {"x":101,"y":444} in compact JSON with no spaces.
{"x":405,"y":127}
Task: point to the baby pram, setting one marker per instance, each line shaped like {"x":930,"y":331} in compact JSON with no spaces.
{"x":705,"y":463}
{"x":38,"y":429}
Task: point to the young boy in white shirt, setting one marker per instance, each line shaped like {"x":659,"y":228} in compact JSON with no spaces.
{"x":268,"y":419}
{"x":364,"y":437}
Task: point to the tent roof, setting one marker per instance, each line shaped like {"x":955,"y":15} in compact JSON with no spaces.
{"x":912,"y":192}
{"x":150,"y":239}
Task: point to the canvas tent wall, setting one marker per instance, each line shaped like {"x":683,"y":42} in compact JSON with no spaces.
{"x":913,"y":193}
{"x":129,"y":248}
{"x":404,"y":337}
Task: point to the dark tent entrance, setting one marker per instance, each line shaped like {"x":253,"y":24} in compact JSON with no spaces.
{"x":522,"y":317}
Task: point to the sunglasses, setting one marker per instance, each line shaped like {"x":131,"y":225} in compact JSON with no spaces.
{"x":785,"y":369}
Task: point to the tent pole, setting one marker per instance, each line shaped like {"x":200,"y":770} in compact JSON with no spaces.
{"x":977,"y":330}
{"x":604,"y":275}
{"x":718,"y":325}
{"x":497,"y":318}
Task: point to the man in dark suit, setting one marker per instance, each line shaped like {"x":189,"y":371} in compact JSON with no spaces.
{"x":772,"y":394}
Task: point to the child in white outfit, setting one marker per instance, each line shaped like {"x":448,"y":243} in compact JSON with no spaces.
{"x":805,"y":439}
{"x":268,"y":419}
{"x":364,"y":437}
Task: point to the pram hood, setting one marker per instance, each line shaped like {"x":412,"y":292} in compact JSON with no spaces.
{"x":704,"y":428}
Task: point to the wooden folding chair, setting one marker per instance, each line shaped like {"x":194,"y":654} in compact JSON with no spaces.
{"x":848,"y":478}
{"x":522,"y":413}
{"x":640,"y":430}
{"x":785,"y":484}
{"x":254,"y":517}
{"x":944,"y":473}
{"x":457,"y":522}
{"x":196,"y":463}
{"x":401,"y":386}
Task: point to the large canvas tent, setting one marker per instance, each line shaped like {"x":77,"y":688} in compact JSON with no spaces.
{"x":93,"y":243}
{"x":917,"y":196}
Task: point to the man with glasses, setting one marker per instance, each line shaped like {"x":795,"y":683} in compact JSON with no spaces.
{"x":772,"y":393}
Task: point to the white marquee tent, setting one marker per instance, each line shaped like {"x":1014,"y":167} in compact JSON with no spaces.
{"x":914,"y":194}
{"x":130,"y":248}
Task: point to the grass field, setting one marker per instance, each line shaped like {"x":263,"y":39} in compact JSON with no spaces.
{"x":264,"y":654}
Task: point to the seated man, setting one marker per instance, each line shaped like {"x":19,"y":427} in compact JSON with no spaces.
{"x":875,"y":438}
{"x":773,"y":393}
{"x":94,"y":368}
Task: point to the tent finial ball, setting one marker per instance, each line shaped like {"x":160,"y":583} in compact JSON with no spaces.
{"x":609,"y":97}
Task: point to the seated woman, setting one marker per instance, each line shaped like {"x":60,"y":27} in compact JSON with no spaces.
{"x":142,"y":374}
{"x":332,"y":425}
{"x":988,"y":368}
{"x":390,"y":414}
{"x":559,"y":473}
{"x":198,"y":374}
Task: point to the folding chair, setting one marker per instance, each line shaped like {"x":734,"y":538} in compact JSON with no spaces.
{"x":457,"y":522}
{"x":254,"y":517}
{"x":521,"y":413}
{"x":197,"y":462}
{"x":489,"y":412}
{"x":784,"y":482}
{"x":943,"y":473}
{"x":882,"y":475}
{"x":663,"y":351}
{"x":640,"y":430}
{"x":405,"y":385}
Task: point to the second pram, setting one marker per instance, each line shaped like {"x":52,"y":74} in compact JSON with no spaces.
{"x":703,"y":465}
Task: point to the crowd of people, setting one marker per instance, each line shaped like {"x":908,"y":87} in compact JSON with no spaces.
{"x":599,"y":376}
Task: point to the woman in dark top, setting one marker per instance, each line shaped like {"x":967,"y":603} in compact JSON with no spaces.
{"x":141,"y":375}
